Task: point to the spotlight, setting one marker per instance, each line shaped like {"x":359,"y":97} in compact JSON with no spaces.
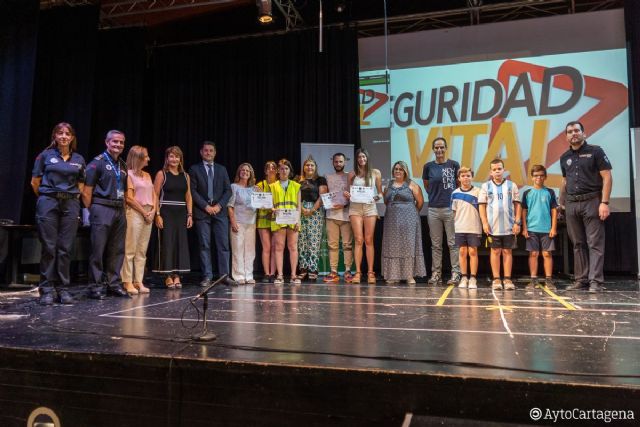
{"x":340,"y":6}
{"x":264,"y":11}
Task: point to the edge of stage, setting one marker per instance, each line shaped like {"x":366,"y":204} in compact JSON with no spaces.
{"x":322,"y":354}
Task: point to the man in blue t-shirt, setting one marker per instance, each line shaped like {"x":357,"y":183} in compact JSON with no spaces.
{"x":439,"y":178}
{"x":539,"y":209}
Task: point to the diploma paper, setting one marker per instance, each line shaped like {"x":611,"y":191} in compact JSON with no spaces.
{"x":261,"y":200}
{"x":361,"y":194}
{"x":287,"y":216}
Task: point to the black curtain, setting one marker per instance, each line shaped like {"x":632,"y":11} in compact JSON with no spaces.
{"x":18,"y":44}
{"x":257,"y":98}
{"x":119,"y":88}
{"x":65,"y":81}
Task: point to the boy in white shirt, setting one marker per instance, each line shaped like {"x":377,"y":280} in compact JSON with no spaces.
{"x":500,"y":212}
{"x":468,"y":226}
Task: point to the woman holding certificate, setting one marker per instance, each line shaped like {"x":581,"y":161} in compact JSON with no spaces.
{"x":311,"y":187}
{"x":402,"y":257}
{"x":365,"y":190}
{"x":242,"y":218}
{"x":263,"y":223}
{"x":286,"y":226}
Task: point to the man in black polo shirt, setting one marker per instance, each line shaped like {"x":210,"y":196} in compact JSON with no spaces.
{"x":587,"y":182}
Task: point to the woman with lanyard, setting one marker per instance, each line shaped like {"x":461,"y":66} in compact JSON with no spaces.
{"x":363,"y":216}
{"x":173,"y":218}
{"x":57,"y":179}
{"x":263,"y":223}
{"x":286,"y":195}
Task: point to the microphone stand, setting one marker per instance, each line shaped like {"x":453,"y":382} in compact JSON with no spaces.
{"x":205,"y":335}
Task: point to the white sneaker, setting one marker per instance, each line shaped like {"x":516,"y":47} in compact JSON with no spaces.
{"x":509,"y":285}
{"x":473,"y":283}
{"x":496,"y":284}
{"x":411,"y":281}
{"x":464,"y":282}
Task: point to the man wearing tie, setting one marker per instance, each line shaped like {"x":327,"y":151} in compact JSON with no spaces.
{"x":211,"y":190}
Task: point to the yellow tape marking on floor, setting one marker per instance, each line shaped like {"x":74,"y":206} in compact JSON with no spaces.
{"x":445,"y":294}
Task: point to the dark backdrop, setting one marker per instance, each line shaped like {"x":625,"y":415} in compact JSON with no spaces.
{"x":258,"y":98}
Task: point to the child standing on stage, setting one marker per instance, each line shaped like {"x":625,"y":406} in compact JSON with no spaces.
{"x":499,"y":203}
{"x":468,"y":226}
{"x":539,"y":209}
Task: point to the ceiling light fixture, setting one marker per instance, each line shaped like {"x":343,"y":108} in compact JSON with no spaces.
{"x":264,"y":11}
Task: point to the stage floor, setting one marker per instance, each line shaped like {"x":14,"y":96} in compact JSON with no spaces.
{"x":539,"y":334}
{"x":529,"y":336}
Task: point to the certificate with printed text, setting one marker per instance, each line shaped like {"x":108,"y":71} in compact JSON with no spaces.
{"x":261,"y":200}
{"x":361,"y":194}
{"x":333,"y":199}
{"x":287,"y":216}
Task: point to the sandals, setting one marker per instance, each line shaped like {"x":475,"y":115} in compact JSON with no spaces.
{"x":141,"y":288}
{"x":129,"y":288}
{"x":295,"y":280}
{"x":169,"y":282}
{"x":313,"y":275}
{"x":356,"y":277}
{"x":371,"y":278}
{"x":279,"y":280}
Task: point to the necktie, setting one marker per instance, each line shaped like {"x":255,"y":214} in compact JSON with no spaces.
{"x":210,"y":181}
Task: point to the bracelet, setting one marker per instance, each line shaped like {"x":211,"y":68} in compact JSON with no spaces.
{"x":189,"y":214}
{"x":606,"y":203}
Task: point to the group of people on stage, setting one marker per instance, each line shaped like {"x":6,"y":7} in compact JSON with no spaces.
{"x":124,"y":202}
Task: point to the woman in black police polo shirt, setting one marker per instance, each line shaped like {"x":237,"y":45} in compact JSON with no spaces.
{"x":57,"y":180}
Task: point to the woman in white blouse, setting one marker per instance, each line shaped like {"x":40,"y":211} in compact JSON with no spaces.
{"x":242,"y":218}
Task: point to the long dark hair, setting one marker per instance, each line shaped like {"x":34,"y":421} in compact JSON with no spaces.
{"x":368,"y":175}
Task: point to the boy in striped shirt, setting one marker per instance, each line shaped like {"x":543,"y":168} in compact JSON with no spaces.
{"x":468,"y":226}
{"x":499,"y":203}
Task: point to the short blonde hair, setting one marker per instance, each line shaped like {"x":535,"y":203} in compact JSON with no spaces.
{"x":464,"y":169}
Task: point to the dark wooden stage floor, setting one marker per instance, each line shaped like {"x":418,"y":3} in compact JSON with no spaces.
{"x":322,"y":355}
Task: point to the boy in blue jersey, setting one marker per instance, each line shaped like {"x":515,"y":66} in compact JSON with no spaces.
{"x":539,"y":209}
{"x":499,"y":203}
{"x":468,"y":226}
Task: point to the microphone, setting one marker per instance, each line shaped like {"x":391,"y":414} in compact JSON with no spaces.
{"x":208,"y":288}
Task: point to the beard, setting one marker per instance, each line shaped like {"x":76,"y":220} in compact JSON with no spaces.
{"x":338,"y":168}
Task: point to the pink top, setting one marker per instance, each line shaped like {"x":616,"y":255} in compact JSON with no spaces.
{"x":143,"y":188}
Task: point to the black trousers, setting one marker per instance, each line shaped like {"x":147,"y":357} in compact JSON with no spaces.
{"x":57,"y":221}
{"x":586,"y":232}
{"x":108,"y":233}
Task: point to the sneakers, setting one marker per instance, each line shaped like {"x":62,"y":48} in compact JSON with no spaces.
{"x":496,"y":285}
{"x":411,"y":281}
{"x":332,"y":278}
{"x":348,"y":277}
{"x":455,"y":278}
{"x":533,"y":282}
{"x":278,"y":280}
{"x":464,"y":282}
{"x":435,"y":279}
{"x":64,"y":297}
{"x":295,"y":280}
{"x":473,"y":283}
{"x":548,"y":283}
{"x":508,"y":285}
{"x":46,"y":298}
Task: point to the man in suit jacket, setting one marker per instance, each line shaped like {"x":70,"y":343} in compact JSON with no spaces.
{"x":211,"y":191}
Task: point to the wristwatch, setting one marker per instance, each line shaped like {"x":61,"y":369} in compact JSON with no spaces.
{"x":518,"y":222}
{"x":606,"y":203}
